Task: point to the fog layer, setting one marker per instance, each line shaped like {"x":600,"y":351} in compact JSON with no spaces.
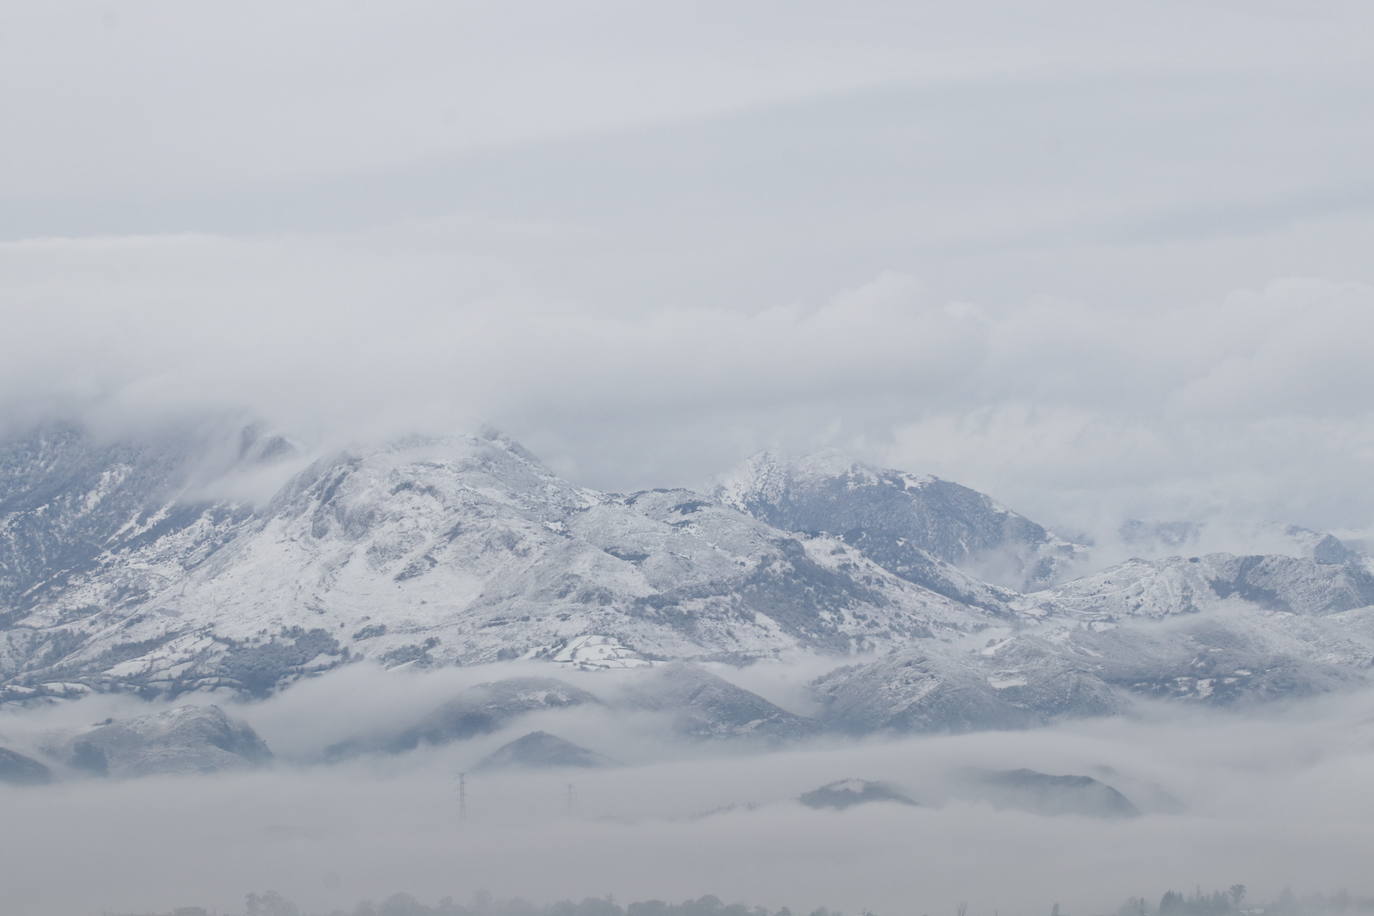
{"x":1273,"y":800}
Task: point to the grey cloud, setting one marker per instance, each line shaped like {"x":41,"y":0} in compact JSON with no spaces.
{"x":1045,"y":404}
{"x":642,"y":278}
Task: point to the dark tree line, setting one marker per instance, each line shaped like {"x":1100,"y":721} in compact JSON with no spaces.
{"x":271,"y":903}
{"x":1235,"y":900}
{"x":1217,"y":903}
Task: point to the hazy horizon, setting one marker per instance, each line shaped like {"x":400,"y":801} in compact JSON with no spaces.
{"x":1106,"y":267}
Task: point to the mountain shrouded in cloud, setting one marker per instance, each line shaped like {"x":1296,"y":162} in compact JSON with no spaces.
{"x":890,"y":457}
{"x":126,"y":568}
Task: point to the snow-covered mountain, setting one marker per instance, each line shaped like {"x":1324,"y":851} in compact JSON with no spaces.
{"x":214,"y":557}
{"x":421,"y":551}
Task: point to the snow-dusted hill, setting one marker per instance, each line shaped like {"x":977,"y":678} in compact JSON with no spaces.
{"x":183,"y":739}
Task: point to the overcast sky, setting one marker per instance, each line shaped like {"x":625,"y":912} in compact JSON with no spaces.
{"x":1098,"y":259}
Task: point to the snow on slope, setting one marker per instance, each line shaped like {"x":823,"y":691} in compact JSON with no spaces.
{"x":1184,"y":585}
{"x":73,"y":504}
{"x":1218,"y":629}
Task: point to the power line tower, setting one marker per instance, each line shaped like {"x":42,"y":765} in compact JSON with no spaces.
{"x":571,"y":802}
{"x":462,"y":796}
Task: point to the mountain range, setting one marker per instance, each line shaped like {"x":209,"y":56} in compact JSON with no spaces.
{"x":224,"y":559}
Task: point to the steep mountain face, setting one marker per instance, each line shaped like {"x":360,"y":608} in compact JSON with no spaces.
{"x":75,"y":507}
{"x":913,"y":526}
{"x":423,"y":551}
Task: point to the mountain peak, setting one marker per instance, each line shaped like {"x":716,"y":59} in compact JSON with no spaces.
{"x":766,"y":475}
{"x":895,"y":513}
